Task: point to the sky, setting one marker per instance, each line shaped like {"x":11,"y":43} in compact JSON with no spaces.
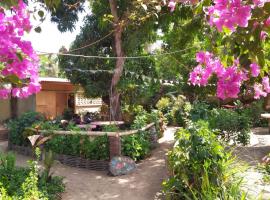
{"x":50,"y":39}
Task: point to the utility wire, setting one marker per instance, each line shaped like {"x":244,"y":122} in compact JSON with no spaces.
{"x":113,"y":57}
{"x":93,"y":43}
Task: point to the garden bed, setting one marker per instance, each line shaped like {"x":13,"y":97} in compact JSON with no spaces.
{"x":72,"y":161}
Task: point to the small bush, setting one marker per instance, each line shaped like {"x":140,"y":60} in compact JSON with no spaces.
{"x":68,"y":114}
{"x":200,"y":111}
{"x":25,"y":183}
{"x":232,"y":125}
{"x":17,"y":127}
{"x":136,"y":146}
{"x":164,"y":105}
{"x":95,"y":148}
{"x":253,"y":112}
{"x":200,"y":168}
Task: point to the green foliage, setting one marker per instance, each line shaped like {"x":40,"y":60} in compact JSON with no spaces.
{"x":95,"y":148}
{"x":130,"y":111}
{"x":68,"y":114}
{"x":200,"y":110}
{"x":48,"y":66}
{"x":137,"y":146}
{"x":164,"y":105}
{"x":253,"y":111}
{"x":201,"y":168}
{"x":25,"y":183}
{"x":232,"y":125}
{"x":17,"y":127}
{"x":173,"y":109}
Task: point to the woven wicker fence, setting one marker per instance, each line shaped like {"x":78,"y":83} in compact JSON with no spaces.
{"x":74,"y":161}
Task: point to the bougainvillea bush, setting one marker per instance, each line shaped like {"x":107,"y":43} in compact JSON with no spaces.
{"x":18,"y":60}
{"x":237,"y":60}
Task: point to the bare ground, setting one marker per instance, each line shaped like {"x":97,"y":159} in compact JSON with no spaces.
{"x":143,"y":184}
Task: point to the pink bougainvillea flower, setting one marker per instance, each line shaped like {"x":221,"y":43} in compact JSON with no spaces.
{"x":229,"y":14}
{"x":265,"y":83}
{"x":196,"y":75}
{"x":267,"y":22}
{"x":260,"y":3}
{"x":255,"y":69}
{"x":203,"y":57}
{"x":17,"y":55}
{"x":4,"y":93}
{"x":228,"y":85}
{"x":258,"y":89}
{"x":229,"y":79}
{"x":172,"y":5}
{"x":263,"y":35}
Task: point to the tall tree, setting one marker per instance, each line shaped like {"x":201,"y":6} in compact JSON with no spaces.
{"x":120,"y":61}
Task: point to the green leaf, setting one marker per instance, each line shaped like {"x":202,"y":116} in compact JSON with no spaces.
{"x":38,"y":29}
{"x":19,"y":55}
{"x":41,"y":13}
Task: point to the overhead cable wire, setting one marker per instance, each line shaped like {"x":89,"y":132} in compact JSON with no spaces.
{"x":114,"y":57}
{"x":93,"y":43}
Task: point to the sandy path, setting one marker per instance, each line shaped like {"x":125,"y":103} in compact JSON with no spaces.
{"x":143,"y":184}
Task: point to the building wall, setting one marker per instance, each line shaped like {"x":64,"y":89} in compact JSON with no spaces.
{"x":46,"y":103}
{"x":24,"y":105}
{"x":61,"y":103}
{"x":27,"y":105}
{"x":51,"y":103}
{"x":4,"y":110}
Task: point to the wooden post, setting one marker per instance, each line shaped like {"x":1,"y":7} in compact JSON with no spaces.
{"x":114,"y":146}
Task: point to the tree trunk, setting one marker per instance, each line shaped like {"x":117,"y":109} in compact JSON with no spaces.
{"x":115,"y":110}
{"x":14,"y":107}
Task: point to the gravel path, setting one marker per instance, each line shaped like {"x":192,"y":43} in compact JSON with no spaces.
{"x":143,"y":184}
{"x":252,"y":155}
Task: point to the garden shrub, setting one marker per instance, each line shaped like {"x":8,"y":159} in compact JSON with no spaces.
{"x":25,"y":183}
{"x":172,"y":109}
{"x":200,"y":167}
{"x":232,"y":125}
{"x":94,"y":148}
{"x":129,"y":112}
{"x":164,"y":105}
{"x":17,"y":127}
{"x":200,"y":111}
{"x":137,"y":146}
{"x":253,"y":112}
{"x":68,"y":114}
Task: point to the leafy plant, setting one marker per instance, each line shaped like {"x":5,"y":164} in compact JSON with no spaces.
{"x":201,"y":168}
{"x":95,"y":148}
{"x":232,"y":125}
{"x":68,"y":114}
{"x":136,"y":146}
{"x":25,"y":183}
{"x":17,"y":127}
{"x":164,"y":105}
